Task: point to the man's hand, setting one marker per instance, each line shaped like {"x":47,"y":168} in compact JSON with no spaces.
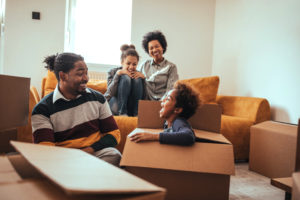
{"x":89,"y":150}
{"x":137,"y":137}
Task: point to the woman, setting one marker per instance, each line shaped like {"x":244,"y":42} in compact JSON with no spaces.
{"x":160,"y":74}
{"x":125,"y":85}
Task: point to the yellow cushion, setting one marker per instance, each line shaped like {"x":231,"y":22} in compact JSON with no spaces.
{"x":51,"y":82}
{"x":207,"y":87}
{"x":99,"y":85}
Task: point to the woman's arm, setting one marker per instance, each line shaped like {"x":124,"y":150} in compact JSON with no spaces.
{"x":172,"y":77}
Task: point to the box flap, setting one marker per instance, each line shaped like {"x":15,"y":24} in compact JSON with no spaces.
{"x":210,"y":137}
{"x":77,"y":172}
{"x":149,"y":114}
{"x":207,"y":117}
{"x":14,"y":101}
{"x":7,"y":171}
{"x":201,"y":157}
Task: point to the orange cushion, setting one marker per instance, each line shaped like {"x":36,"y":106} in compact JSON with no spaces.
{"x":207,"y":87}
{"x":99,"y":85}
{"x":51,"y":82}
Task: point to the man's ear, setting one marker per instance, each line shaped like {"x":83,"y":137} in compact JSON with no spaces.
{"x":178,"y":110}
{"x":62,"y":76}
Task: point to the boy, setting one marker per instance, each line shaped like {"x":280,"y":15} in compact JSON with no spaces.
{"x":177,"y":107}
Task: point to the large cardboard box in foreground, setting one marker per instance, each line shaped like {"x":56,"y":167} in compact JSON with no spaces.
{"x":201,"y":171}
{"x":14,"y":105}
{"x":45,"y":172}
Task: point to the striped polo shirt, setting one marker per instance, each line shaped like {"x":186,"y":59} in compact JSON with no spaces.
{"x":75,"y":123}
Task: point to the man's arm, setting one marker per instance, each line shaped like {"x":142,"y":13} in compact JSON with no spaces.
{"x":42,"y":128}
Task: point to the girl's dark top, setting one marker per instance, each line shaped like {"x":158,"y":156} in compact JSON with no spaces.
{"x":181,"y":133}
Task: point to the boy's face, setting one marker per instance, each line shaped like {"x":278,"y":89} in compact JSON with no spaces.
{"x":168,"y":105}
{"x":77,"y":78}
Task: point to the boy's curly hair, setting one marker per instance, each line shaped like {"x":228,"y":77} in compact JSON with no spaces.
{"x":187,"y":99}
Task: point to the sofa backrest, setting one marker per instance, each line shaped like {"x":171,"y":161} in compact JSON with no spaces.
{"x":49,"y":83}
{"x":207,"y":87}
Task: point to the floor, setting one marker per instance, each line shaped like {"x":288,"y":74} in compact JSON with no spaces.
{"x":248,"y":185}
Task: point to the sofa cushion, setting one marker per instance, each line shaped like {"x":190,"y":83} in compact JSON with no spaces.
{"x":207,"y":87}
{"x":51,"y":82}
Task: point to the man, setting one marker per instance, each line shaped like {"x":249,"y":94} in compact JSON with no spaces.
{"x":73,"y":115}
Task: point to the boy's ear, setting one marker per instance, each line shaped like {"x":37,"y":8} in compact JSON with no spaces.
{"x":178,"y":110}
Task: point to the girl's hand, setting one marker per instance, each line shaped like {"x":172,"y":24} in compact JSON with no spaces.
{"x":124,"y":71}
{"x":137,"y":74}
{"x":137,"y":137}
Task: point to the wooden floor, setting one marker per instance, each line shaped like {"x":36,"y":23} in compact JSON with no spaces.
{"x":248,"y":185}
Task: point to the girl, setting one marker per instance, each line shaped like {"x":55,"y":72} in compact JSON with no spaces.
{"x":125,"y":85}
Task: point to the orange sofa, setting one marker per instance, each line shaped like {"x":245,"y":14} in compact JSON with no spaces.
{"x":239,"y":113}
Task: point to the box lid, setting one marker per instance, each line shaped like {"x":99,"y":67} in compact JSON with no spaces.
{"x":77,"y":172}
{"x":14,"y":101}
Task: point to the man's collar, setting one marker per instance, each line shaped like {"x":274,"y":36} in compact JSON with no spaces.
{"x":58,"y":95}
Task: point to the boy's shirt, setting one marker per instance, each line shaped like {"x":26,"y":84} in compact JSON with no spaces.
{"x":180,"y":133}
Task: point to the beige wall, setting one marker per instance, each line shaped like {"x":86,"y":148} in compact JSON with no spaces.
{"x":256,"y":52}
{"x":188,"y":26}
{"x":253,"y":45}
{"x":28,"y":41}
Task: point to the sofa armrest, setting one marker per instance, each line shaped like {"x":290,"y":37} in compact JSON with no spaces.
{"x":255,"y":109}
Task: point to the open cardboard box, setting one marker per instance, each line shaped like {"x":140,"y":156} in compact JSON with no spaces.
{"x":46,"y":172}
{"x":14,"y":105}
{"x":200,"y":171}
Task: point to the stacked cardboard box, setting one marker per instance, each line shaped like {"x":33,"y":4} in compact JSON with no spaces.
{"x":273,"y":149}
{"x":14,"y":103}
{"x":201,"y":171}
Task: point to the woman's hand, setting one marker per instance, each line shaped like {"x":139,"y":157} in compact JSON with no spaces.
{"x":137,"y":137}
{"x":137,"y":74}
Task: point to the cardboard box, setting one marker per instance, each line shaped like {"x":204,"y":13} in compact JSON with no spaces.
{"x":296,"y":186}
{"x":200,"y":171}
{"x":45,"y":172}
{"x":273,"y":149}
{"x":14,"y":105}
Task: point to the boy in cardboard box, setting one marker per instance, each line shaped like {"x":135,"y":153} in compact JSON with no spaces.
{"x":177,"y":107}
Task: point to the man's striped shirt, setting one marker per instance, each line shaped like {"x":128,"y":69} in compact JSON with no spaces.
{"x":76,"y":123}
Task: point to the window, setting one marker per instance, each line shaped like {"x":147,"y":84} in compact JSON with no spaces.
{"x":2,"y":14}
{"x":97,"y":29}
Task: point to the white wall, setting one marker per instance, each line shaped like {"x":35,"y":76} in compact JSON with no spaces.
{"x":28,"y":41}
{"x":256,"y":52}
{"x":188,"y":26}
